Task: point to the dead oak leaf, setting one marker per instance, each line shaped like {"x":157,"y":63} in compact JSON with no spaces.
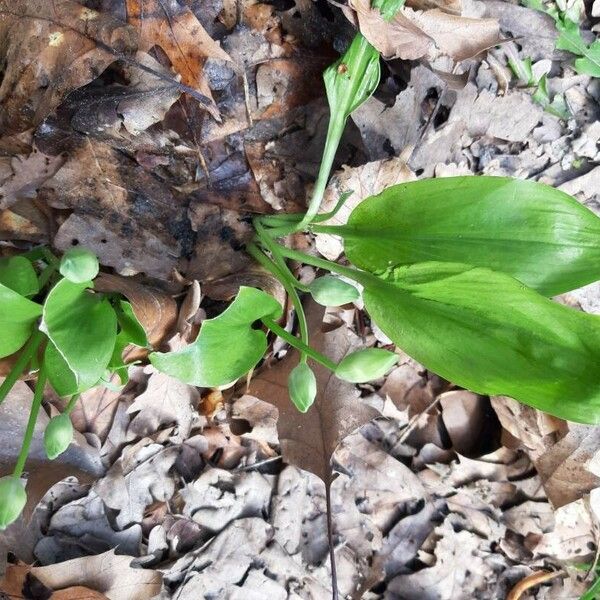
{"x":309,"y":439}
{"x":165,"y":400}
{"x":184,"y":40}
{"x":49,"y":50}
{"x":412,"y":35}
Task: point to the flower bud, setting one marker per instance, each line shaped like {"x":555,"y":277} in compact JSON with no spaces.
{"x":365,"y":365}
{"x":79,"y":265}
{"x":302,"y":386}
{"x":332,"y":291}
{"x":58,"y":435}
{"x":12,"y":500}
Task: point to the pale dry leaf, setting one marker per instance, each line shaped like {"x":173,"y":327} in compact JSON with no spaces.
{"x":165,"y":400}
{"x":309,"y":439}
{"x":129,"y":489}
{"x":106,"y":573}
{"x":261,"y":416}
{"x":412,"y":35}
{"x":364,"y":181}
{"x":49,"y":50}
{"x":565,"y":467}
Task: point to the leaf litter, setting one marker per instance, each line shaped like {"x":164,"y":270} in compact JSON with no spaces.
{"x":150,"y":141}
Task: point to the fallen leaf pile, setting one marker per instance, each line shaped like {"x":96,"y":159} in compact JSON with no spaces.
{"x":150,"y":131}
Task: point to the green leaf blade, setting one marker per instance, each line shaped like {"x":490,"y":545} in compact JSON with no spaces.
{"x":533,"y":232}
{"x":489,"y":333}
{"x":82,"y":328}
{"x":17,"y":320}
{"x":227,"y":346}
{"x":18,"y":274}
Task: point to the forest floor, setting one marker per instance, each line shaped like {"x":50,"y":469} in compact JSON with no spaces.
{"x":149,"y":136}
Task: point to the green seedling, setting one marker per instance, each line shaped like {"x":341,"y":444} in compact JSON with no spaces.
{"x":55,"y":324}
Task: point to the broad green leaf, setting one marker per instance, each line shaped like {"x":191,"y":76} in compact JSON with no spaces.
{"x":130,"y":332}
{"x":17,"y":320}
{"x":79,"y":265}
{"x":535,"y":233}
{"x":227,"y":346}
{"x":18,"y":274}
{"x":365,"y":365}
{"x":302,"y":386}
{"x":489,"y":333}
{"x":82,"y":327}
{"x":332,"y":291}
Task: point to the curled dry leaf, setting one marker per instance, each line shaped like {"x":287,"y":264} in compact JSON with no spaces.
{"x":155,"y":309}
{"x":108,"y":574}
{"x":49,"y":50}
{"x":309,"y":439}
{"x":412,"y":35}
{"x":182,"y":37}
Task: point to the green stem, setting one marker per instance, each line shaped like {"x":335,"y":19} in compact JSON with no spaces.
{"x":292,"y":340}
{"x":337,"y":122}
{"x":46,"y":274}
{"x":21,"y":363}
{"x":361,"y":277}
{"x":38,"y":395}
{"x":72,"y":403}
{"x":284,"y":278}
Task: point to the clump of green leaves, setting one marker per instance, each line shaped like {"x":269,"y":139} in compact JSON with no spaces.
{"x":57,"y":325}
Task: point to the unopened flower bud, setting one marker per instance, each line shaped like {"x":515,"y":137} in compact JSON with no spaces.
{"x":332,"y":291}
{"x":365,"y":365}
{"x":79,"y":265}
{"x":302,"y":386}
{"x":12,"y":500}
{"x":58,"y":435}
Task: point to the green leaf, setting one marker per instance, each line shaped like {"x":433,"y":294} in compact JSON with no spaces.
{"x":535,"y":233}
{"x":18,"y":274}
{"x":352,"y":79}
{"x":82,"y":328}
{"x":365,"y":365}
{"x":17,"y":320}
{"x":302,"y":386}
{"x":130,"y":332}
{"x":388,"y":8}
{"x":332,"y":291}
{"x":570,"y":39}
{"x":227,"y":346}
{"x":79,"y":265}
{"x":489,"y":333}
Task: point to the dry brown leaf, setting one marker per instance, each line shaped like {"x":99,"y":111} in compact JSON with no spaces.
{"x":49,"y":51}
{"x":425,"y":34}
{"x":106,"y":573}
{"x":570,"y":468}
{"x":309,"y":439}
{"x":155,"y":309}
{"x":127,"y":217}
{"x":182,"y":37}
{"x":533,"y":580}
{"x":364,"y":181}
{"x":227,"y":287}
{"x":25,"y":221}
{"x":165,"y":400}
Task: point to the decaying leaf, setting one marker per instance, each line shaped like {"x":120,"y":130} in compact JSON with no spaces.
{"x":108,"y":574}
{"x":309,"y":439}
{"x":154,"y":308}
{"x":49,"y":51}
{"x":182,"y":37}
{"x":425,"y":34}
{"x":128,"y":218}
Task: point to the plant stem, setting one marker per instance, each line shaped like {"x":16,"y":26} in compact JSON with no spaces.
{"x":361,"y":277}
{"x":38,"y":395}
{"x":72,"y":403}
{"x":46,"y":274}
{"x":21,"y":363}
{"x":289,"y":282}
{"x":292,"y":340}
